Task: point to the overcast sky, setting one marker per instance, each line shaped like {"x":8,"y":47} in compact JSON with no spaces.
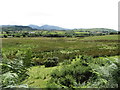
{"x":63,"y":13}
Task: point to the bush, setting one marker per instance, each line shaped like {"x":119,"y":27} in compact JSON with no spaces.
{"x":89,"y":73}
{"x":66,"y":62}
{"x":8,"y":79}
{"x":71,"y":75}
{"x":27,"y":61}
{"x":13,"y":72}
{"x":50,"y":62}
{"x":5,"y":36}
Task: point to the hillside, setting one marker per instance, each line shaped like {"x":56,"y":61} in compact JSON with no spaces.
{"x":16,"y":28}
{"x":34,"y":26}
{"x":47,"y":27}
{"x":50,"y":27}
{"x":96,"y":30}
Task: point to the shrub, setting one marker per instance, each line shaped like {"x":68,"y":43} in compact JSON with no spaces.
{"x":66,"y":62}
{"x":8,"y":79}
{"x":50,"y":62}
{"x":13,"y":72}
{"x":71,"y":75}
{"x":27,"y":61}
{"x":5,"y":36}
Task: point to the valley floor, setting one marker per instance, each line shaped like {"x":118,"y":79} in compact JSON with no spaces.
{"x":63,"y":62}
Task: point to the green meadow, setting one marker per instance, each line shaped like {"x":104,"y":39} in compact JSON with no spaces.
{"x":61,"y":62}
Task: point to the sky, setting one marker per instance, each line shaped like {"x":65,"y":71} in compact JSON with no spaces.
{"x":63,"y":13}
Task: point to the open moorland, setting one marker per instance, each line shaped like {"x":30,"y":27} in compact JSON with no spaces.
{"x":61,"y":62}
{"x":85,"y":58}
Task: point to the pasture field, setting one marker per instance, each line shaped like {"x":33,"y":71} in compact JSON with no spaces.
{"x":78,"y":53}
{"x":106,"y":37}
{"x":64,"y":48}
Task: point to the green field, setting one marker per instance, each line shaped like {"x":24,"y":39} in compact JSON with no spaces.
{"x":35,"y":51}
{"x":64,"y":48}
{"x":106,"y":37}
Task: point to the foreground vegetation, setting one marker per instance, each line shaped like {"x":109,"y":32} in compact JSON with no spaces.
{"x":82,"y":72}
{"x":65,"y":62}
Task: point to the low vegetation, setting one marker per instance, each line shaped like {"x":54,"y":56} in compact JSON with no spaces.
{"x":82,"y":72}
{"x":61,"y":62}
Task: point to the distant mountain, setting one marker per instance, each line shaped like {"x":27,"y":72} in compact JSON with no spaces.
{"x":16,"y":28}
{"x":30,"y":27}
{"x":7,"y":25}
{"x":50,"y":27}
{"x":34,"y":26}
{"x":47,"y":27}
